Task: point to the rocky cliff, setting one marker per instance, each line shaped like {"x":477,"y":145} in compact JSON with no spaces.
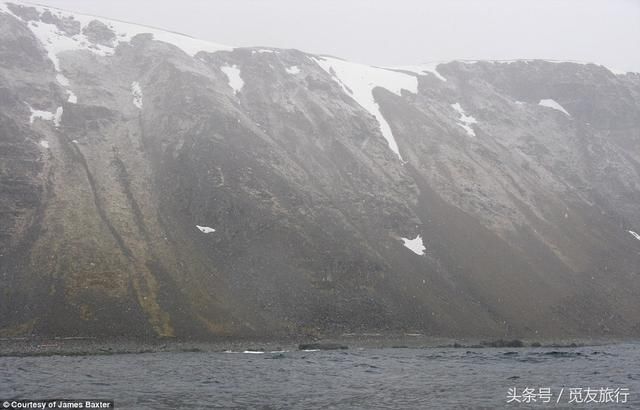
{"x":154,"y":184}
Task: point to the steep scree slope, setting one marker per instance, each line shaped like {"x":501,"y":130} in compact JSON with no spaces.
{"x":154,"y":184}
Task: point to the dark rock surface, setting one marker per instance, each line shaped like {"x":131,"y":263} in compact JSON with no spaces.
{"x":99,"y":33}
{"x":111,"y":155}
{"x":322,"y":346}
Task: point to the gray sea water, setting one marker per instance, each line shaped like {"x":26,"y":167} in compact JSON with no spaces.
{"x":350,"y":379}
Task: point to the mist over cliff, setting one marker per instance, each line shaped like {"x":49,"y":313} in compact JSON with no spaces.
{"x":152,"y":184}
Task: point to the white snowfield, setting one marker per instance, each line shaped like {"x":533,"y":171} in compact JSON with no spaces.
{"x":136,"y":91}
{"x":233,"y":75}
{"x":414,"y":245}
{"x":635,"y":235}
{"x":205,"y":229}
{"x":56,"y":42}
{"x":359,"y":80}
{"x":465,"y":120}
{"x":549,"y":103}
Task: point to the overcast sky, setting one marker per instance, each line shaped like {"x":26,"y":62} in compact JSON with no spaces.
{"x":401,"y":32}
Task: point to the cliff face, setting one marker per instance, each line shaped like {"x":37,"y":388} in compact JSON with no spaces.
{"x":514,"y":186}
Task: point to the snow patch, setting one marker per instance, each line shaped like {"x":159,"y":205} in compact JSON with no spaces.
{"x":73,"y":98}
{"x":635,"y":235}
{"x":293,"y":70}
{"x":64,"y":81}
{"x":465,"y":120}
{"x":233,"y":75}
{"x":136,"y":91}
{"x":44,"y":144}
{"x":422,"y":69}
{"x":56,"y":117}
{"x":43,"y":115}
{"x":549,"y":103}
{"x":414,"y":245}
{"x":359,"y":80}
{"x":205,"y":229}
{"x":263,"y":50}
{"x":55,"y":42}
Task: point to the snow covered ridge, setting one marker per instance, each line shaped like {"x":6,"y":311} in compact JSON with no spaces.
{"x":421,"y":69}
{"x":523,"y":60}
{"x":431,"y":66}
{"x":465,"y":120}
{"x":77,"y":37}
{"x":414,"y":245}
{"x":264,"y":51}
{"x":59,"y":31}
{"x":549,"y":103}
{"x":359,"y":80}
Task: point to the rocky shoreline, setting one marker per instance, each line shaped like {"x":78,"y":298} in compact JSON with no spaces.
{"x":33,"y":347}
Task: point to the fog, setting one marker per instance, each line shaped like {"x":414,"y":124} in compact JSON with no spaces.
{"x":186,"y":227}
{"x":402,"y":32}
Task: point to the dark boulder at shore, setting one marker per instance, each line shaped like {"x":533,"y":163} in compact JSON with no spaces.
{"x":503,"y":343}
{"x":322,"y":346}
